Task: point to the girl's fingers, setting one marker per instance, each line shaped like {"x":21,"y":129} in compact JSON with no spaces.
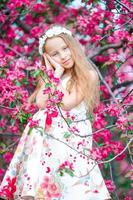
{"x":47,"y":63}
{"x":53,"y":63}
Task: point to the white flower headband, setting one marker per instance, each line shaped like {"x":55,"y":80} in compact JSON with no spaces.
{"x":54,"y":31}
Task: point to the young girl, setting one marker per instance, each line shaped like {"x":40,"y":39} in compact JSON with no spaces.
{"x":53,"y":158}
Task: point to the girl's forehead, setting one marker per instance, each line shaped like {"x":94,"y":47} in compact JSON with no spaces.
{"x":54,"y":43}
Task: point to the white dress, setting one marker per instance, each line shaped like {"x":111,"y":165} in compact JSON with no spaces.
{"x":54,"y":163}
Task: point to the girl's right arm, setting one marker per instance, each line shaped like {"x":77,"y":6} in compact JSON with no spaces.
{"x":41,"y":98}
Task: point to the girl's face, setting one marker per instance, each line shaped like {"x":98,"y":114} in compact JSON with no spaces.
{"x":59,"y":52}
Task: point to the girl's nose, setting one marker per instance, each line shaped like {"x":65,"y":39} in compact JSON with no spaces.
{"x":62,"y":55}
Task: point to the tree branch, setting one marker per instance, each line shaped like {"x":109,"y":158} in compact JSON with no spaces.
{"x":23,"y":26}
{"x":123,"y":5}
{"x":124,"y":84}
{"x":110,"y":160}
{"x":105,"y":83}
{"x":127,"y":95}
{"x":106,"y":47}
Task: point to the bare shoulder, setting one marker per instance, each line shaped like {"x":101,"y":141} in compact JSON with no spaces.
{"x":93,"y":74}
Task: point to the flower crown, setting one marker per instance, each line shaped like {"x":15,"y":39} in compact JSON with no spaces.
{"x":54,"y":31}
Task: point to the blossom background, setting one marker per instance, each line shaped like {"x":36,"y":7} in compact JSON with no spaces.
{"x":105,"y":29}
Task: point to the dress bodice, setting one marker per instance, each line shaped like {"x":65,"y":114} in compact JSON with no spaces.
{"x":80,"y":110}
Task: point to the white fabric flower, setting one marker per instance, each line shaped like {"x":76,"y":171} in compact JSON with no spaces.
{"x":56,"y":30}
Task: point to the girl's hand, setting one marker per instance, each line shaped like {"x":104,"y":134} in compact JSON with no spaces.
{"x":54,"y":65}
{"x":47,"y":63}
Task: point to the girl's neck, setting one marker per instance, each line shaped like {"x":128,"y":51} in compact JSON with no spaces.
{"x":67,"y":72}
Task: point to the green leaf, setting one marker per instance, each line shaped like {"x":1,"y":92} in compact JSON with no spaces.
{"x":106,"y":165}
{"x":67,"y":135}
{"x":115,"y":80}
{"x":37,"y":73}
{"x":69,"y":171}
{"x":18,"y":83}
{"x":118,"y":65}
{"x":47,"y":85}
{"x":69,"y":121}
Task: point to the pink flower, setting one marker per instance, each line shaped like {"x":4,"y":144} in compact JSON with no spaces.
{"x":121,"y":123}
{"x":105,"y":91}
{"x":51,"y":188}
{"x":99,"y":122}
{"x":96,"y":38}
{"x":66,"y":164}
{"x":128,"y":198}
{"x":33,"y":123}
{"x":47,"y":90}
{"x":110,"y":185}
{"x":105,"y":135}
{"x":9,"y":189}
{"x":2,"y":171}
{"x":35,"y":31}
{"x":39,"y":7}
{"x":8,"y":156}
{"x":113,"y":110}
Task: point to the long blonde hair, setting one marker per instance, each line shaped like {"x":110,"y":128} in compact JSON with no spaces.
{"x":81,"y":74}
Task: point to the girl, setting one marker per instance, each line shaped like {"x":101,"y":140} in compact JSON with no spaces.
{"x":53,"y":158}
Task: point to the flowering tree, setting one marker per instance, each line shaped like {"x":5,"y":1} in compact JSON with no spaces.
{"x":104,"y":28}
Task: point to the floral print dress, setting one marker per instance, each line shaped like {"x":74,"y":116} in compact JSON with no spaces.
{"x":54,"y":163}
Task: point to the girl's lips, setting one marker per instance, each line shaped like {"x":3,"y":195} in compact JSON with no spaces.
{"x":66,"y":61}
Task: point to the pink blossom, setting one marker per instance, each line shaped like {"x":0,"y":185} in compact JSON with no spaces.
{"x":113,"y":110}
{"x":96,"y":38}
{"x":39,"y":7}
{"x":51,"y":188}
{"x":7,"y":157}
{"x":33,"y":123}
{"x":99,"y":122}
{"x":2,"y":171}
{"x":9,"y":189}
{"x":66,"y":164}
{"x":105,"y":91}
{"x":110,"y":185}
{"x":121,"y":122}
{"x":128,"y":198}
{"x":36,"y":31}
{"x":3,"y":17}
{"x":105,"y":135}
{"x":47,"y":90}
{"x":102,"y":59}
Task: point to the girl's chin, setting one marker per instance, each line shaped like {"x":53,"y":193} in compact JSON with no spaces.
{"x":68,"y":66}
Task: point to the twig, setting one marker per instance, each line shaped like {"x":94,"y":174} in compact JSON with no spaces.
{"x":131,"y":158}
{"x":123,"y":5}
{"x":23,"y":26}
{"x":105,"y":83}
{"x":126,"y":96}
{"x":8,"y":47}
{"x":104,"y":48}
{"x":124,"y":84}
{"x":115,"y":29}
{"x":11,"y":145}
{"x":9,"y":134}
{"x":6,"y":107}
{"x":111,"y":175}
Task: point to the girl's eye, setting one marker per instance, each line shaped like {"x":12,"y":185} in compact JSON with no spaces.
{"x":65,"y":48}
{"x":54,"y":54}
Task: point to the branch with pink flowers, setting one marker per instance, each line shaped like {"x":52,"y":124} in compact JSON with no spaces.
{"x":124,"y":6}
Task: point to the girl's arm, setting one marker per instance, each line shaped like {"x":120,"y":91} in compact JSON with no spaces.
{"x":72,"y":99}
